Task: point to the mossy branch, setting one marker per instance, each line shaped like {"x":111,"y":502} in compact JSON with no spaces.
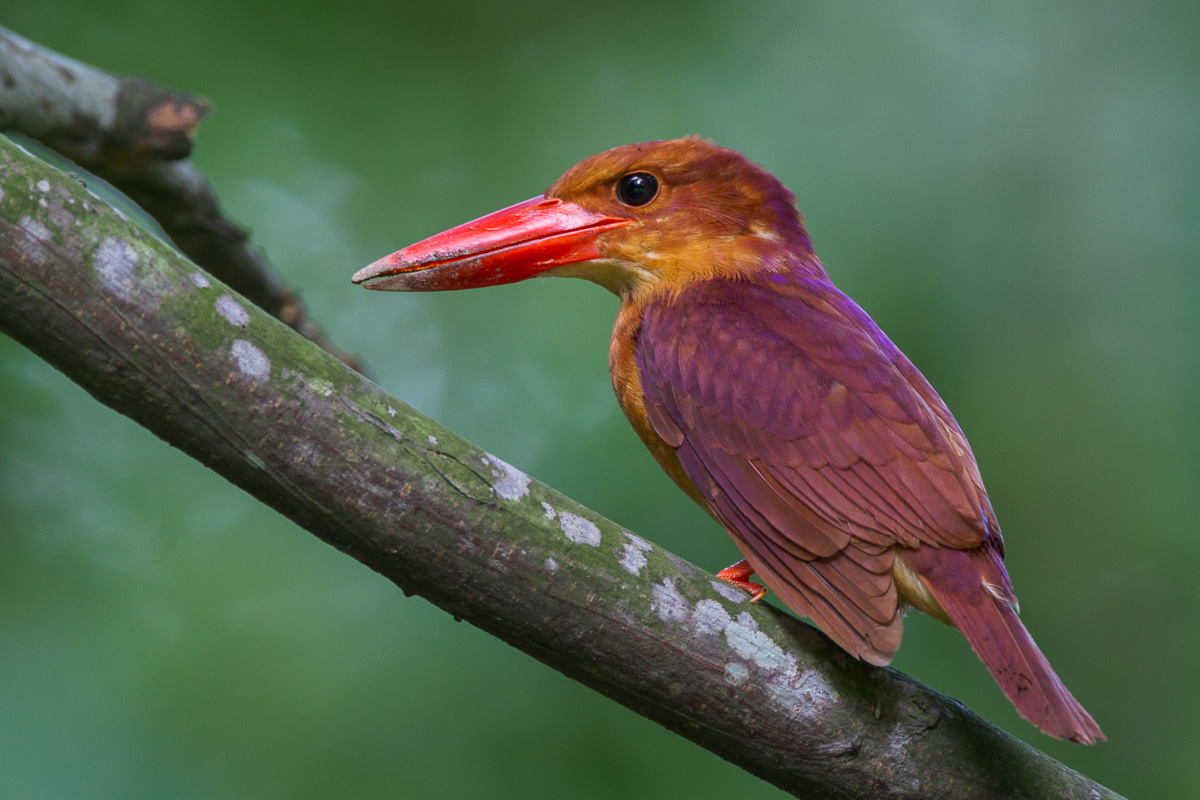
{"x":153,"y":336}
{"x":138,"y":136}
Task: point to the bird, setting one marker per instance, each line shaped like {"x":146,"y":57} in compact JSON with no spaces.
{"x":771,"y":399}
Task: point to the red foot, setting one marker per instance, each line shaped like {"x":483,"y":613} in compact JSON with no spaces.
{"x":737,"y":574}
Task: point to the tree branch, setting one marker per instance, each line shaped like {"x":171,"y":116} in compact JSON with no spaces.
{"x":149,"y":334}
{"x":137,"y":136}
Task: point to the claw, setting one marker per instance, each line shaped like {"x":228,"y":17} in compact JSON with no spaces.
{"x":737,"y":574}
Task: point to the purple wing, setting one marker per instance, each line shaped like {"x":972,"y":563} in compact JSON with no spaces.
{"x":814,"y":441}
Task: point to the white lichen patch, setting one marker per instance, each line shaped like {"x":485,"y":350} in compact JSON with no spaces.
{"x":634,"y":556}
{"x":578,"y":529}
{"x":249,"y":360}
{"x":637,"y":541}
{"x":199,"y":279}
{"x":710,"y":618}
{"x":512,"y":484}
{"x":753,"y":653}
{"x":115,"y":261}
{"x":731,"y":593}
{"x":551,"y":565}
{"x":30,"y":246}
{"x":736,"y":674}
{"x":668,"y":603}
{"x":232,"y":311}
{"x":549,"y":509}
{"x":752,"y":644}
{"x":34,"y":229}
{"x":632,"y":560}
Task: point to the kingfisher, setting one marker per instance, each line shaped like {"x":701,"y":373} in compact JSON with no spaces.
{"x":771,"y":399}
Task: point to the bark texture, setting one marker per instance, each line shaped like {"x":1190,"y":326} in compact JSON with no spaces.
{"x":158,"y":339}
{"x":137,"y":136}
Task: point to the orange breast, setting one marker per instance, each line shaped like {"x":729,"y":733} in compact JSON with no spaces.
{"x":622,"y":368}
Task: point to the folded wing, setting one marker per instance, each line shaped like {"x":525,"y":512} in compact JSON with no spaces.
{"x":815,"y":442}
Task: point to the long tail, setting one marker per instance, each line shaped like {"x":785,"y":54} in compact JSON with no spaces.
{"x":973,"y":588}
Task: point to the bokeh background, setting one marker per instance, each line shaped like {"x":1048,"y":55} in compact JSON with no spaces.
{"x":1012,"y":190}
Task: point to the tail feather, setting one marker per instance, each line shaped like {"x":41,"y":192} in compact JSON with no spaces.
{"x":972,"y":587}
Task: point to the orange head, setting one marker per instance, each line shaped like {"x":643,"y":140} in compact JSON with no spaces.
{"x":637,"y":218}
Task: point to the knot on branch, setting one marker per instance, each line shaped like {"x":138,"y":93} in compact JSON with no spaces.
{"x":153,"y":122}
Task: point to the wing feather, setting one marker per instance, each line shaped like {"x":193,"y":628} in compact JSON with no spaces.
{"x":814,"y":441}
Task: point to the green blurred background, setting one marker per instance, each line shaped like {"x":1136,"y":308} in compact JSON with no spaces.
{"x":1012,"y":191}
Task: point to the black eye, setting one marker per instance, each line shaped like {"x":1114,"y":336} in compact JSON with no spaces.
{"x":637,"y":188}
